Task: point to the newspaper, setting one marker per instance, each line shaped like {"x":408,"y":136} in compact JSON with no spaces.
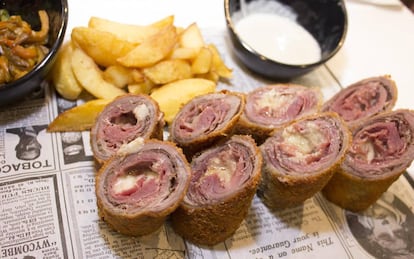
{"x":48,"y":203}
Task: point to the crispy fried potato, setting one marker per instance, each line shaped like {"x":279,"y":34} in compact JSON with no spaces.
{"x":152,"y":50}
{"x":141,"y":88}
{"x":171,"y":97}
{"x":184,"y":53}
{"x":110,"y":59}
{"x":118,"y":75}
{"x":210,"y":75}
{"x":202,"y":63}
{"x":103,"y":47}
{"x":191,"y":37}
{"x":129,"y":32}
{"x":78,"y":118}
{"x":166,"y":21}
{"x":90,"y":77}
{"x":218,"y":64}
{"x":63,"y":78}
{"x":137,"y":76}
{"x":168,"y":71}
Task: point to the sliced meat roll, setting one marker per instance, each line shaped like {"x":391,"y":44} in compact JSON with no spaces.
{"x":273,"y":106}
{"x":139,"y":187}
{"x":206,"y":119}
{"x":299,"y":159}
{"x":363,"y":99}
{"x":381,"y":150}
{"x":224,"y":181}
{"x":124,"y":119}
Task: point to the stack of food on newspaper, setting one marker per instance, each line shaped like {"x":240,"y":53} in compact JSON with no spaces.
{"x":149,"y":142}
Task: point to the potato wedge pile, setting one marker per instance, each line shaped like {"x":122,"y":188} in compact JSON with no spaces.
{"x":108,"y":59}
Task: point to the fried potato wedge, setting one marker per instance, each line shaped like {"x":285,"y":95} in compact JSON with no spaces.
{"x":90,"y":77}
{"x":63,"y":78}
{"x":191,"y":37}
{"x":218,"y":64}
{"x":119,"y":76}
{"x":210,"y":75}
{"x":137,"y":76}
{"x":203,"y":61}
{"x":168,"y":71}
{"x":130,"y":32}
{"x":171,"y":97}
{"x":152,"y":50}
{"x":144,"y":87}
{"x":103,"y":47}
{"x":163,"y":22}
{"x":78,"y":118}
{"x":184,"y":53}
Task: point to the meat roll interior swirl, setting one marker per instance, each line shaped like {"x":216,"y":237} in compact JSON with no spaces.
{"x":381,"y":150}
{"x":223,"y":183}
{"x":363,"y":99}
{"x":123,"y":120}
{"x":299,"y":160}
{"x":137,"y":190}
{"x":206,"y":119}
{"x":273,"y":106}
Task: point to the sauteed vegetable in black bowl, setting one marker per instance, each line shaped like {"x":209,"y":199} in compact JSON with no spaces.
{"x":31,"y":33}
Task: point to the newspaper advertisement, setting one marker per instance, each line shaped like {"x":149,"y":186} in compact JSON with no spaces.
{"x":48,"y":203}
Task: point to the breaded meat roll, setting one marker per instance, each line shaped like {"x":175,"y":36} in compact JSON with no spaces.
{"x":274,"y":106}
{"x":123,"y":120}
{"x":381,"y":150}
{"x":299,"y":160}
{"x":224,"y":180}
{"x":363,"y":99}
{"x":141,"y":185}
{"x":206,"y":119}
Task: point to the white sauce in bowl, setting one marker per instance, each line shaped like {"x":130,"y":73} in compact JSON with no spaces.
{"x":278,"y":38}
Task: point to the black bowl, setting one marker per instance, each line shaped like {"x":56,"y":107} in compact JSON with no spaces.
{"x":58,"y":19}
{"x":325,"y":20}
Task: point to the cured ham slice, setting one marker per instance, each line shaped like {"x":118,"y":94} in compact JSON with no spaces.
{"x":140,"y":186}
{"x":363,"y":99}
{"x":299,"y":160}
{"x":206,"y":119}
{"x":223,"y":183}
{"x":123,"y":120}
{"x":274,"y":106}
{"x":382,"y":149}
